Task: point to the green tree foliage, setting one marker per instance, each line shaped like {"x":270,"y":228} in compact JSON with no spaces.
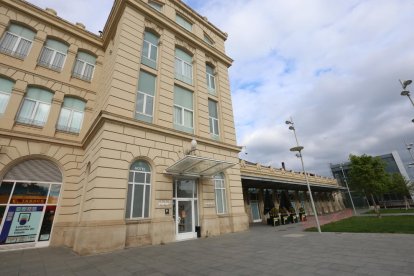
{"x":368,"y":175}
{"x":398,"y":185}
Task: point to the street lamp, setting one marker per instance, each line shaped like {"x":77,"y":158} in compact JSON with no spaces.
{"x":405,"y":91}
{"x":346,"y":183}
{"x":299,"y":155}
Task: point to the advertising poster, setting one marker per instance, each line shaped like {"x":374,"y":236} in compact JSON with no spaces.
{"x":21,"y":224}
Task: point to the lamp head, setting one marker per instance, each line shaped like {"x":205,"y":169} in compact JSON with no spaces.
{"x":298,"y":148}
{"x":405,"y":83}
{"x":291,"y":128}
{"x":193,"y":144}
{"x":288,"y":122}
{"x":405,"y":93}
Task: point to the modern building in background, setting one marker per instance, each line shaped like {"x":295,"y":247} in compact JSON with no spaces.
{"x":393,"y":164}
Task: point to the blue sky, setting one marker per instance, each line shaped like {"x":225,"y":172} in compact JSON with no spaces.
{"x":331,"y":65}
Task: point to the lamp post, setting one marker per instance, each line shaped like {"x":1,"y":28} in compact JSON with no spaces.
{"x":347,"y":187}
{"x":405,"y":91}
{"x":299,"y":154}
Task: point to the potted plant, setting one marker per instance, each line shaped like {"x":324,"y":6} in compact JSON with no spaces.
{"x":284,"y":215}
{"x":302,"y":214}
{"x":274,"y":216}
{"x":293,"y":216}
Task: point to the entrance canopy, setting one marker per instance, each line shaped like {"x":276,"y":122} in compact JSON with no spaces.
{"x":195,"y":166}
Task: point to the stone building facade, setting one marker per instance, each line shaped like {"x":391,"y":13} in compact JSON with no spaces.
{"x":119,"y":140}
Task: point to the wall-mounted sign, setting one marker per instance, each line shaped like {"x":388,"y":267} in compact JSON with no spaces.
{"x":21,"y":224}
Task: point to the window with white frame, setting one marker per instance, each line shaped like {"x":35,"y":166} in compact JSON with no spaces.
{"x":145,"y":97}
{"x":220,"y":191}
{"x":183,"y":66}
{"x":71,"y":115}
{"x":155,"y":5}
{"x":35,"y":107}
{"x":17,"y":41}
{"x":139,"y":190}
{"x":84,"y":66}
{"x":211,"y":80}
{"x":53,"y":54}
{"x":183,"y":22}
{"x":150,"y":50}
{"x":6,"y":87}
{"x":183,"y":110}
{"x":213,"y":118}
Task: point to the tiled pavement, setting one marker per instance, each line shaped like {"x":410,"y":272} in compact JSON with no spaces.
{"x":263,"y":250}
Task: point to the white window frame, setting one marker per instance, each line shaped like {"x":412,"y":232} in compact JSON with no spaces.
{"x":50,"y":64}
{"x":182,"y":112}
{"x":67,"y":127}
{"x":223,"y":194}
{"x":82,"y":74}
{"x":30,"y":121}
{"x":7,"y":101}
{"x":146,"y":186}
{"x":210,"y":77}
{"x":144,"y":106}
{"x":216,"y":132}
{"x":180,"y":74}
{"x":150,"y":51}
{"x":16,"y":45}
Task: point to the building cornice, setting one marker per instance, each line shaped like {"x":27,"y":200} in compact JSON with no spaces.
{"x":164,"y":22}
{"x":105,"y":116}
{"x":56,"y":21}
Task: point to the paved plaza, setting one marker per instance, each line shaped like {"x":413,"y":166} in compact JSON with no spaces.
{"x":263,"y":250}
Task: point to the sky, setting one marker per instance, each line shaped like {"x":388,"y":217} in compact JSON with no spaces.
{"x":331,"y":66}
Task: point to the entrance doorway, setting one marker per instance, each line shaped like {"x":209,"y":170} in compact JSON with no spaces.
{"x":185,"y":209}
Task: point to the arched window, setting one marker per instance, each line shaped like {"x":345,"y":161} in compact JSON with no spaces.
{"x":84,"y":66}
{"x":183,"y":66}
{"x":139,"y":190}
{"x":150,"y":50}
{"x":35,"y":107}
{"x":220,"y":191}
{"x":6,"y":87}
{"x":53,"y":54}
{"x":17,"y":41}
{"x":71,"y":115}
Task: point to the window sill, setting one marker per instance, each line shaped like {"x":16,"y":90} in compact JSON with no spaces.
{"x":48,"y":66}
{"x":137,"y":221}
{"x":81,"y":78}
{"x":29,"y":124}
{"x":12,"y":54}
{"x":67,"y":132}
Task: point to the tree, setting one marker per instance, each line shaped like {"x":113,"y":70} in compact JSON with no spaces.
{"x":367,"y":174}
{"x":398,"y":185}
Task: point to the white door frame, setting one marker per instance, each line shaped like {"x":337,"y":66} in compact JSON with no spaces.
{"x":192,"y":234}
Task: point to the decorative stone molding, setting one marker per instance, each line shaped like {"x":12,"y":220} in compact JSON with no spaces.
{"x":184,"y":45}
{"x":153,"y":27}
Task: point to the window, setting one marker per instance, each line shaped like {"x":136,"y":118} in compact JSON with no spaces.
{"x":17,"y":41}
{"x":211,"y":81}
{"x":220,"y":191}
{"x":53,"y":55}
{"x":84,"y":66}
{"x":71,"y":115}
{"x":6,"y":87}
{"x":208,"y":40}
{"x":155,"y":5}
{"x":145,"y":97}
{"x":183,"y":66}
{"x":183,"y":109}
{"x":35,"y":107}
{"x":139,"y":190}
{"x":213,"y":117}
{"x":150,"y":50}
{"x":183,"y":22}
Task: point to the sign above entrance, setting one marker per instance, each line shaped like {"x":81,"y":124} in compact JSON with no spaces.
{"x":195,"y":166}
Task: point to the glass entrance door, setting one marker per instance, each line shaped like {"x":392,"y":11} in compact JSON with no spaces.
{"x":185,"y":209}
